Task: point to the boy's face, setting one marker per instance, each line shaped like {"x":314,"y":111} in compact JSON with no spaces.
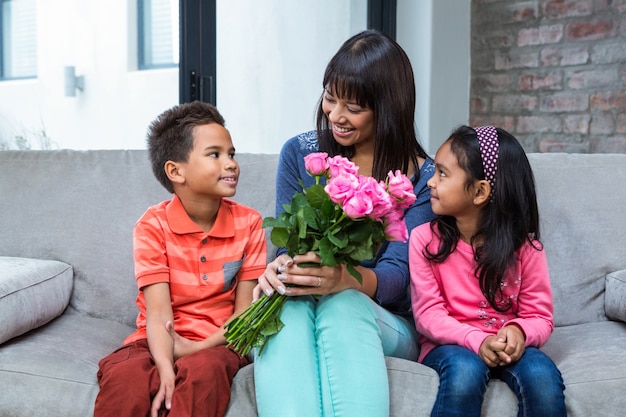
{"x":211,"y":169}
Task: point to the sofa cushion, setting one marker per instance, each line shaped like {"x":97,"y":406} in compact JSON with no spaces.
{"x":615,"y":296}
{"x":51,"y":371}
{"x":583,"y":229}
{"x":32,"y":292}
{"x":591,"y":358}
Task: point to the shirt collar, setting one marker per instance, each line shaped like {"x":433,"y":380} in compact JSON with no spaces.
{"x":180,"y":222}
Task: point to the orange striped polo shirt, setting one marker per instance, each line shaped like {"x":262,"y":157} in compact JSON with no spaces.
{"x":202,"y":268}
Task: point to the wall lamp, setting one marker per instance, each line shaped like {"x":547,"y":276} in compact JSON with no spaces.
{"x":73,"y":82}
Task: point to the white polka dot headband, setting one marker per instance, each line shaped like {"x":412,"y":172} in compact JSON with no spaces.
{"x":489,"y":146}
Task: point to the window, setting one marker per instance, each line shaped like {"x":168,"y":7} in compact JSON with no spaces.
{"x":18,"y":30}
{"x":158,"y":33}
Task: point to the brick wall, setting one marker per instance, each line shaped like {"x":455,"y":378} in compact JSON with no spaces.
{"x":551,"y":72}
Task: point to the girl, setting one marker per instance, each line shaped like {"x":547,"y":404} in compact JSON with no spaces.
{"x":329,"y":359}
{"x":480,"y":286}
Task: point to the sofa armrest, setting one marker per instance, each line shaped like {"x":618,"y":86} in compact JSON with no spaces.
{"x":615,"y":295}
{"x":32,"y":293}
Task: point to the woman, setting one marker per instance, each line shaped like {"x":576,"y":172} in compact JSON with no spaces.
{"x":329,"y":358}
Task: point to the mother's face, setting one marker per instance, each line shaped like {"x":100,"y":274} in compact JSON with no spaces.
{"x":351,"y":124}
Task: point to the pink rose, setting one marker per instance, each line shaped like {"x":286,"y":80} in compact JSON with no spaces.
{"x":316,"y":164}
{"x":341,"y":187}
{"x":376,"y":192}
{"x":396,"y":232}
{"x":338,"y":164}
{"x":395,"y":227}
{"x":358,"y":206}
{"x":401,"y":188}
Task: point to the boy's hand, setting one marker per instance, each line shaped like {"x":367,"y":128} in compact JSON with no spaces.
{"x":182,"y":346}
{"x":164,"y":396}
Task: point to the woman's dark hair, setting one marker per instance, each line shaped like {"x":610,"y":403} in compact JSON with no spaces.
{"x":372,"y":69}
{"x":508,"y":220}
{"x":170,"y":135}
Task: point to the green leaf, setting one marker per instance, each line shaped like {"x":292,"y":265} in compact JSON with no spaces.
{"x":272,"y":326}
{"x":356,"y":274}
{"x":272,"y":222}
{"x":309,"y":214}
{"x":297,"y":202}
{"x":327,"y":213}
{"x":306,"y":245}
{"x":338,"y":239}
{"x":362,"y":230}
{"x":279,"y":237}
{"x":362,"y":253}
{"x":301,"y":224}
{"x":316,"y":196}
{"x":293,"y":244}
{"x":327,"y":252}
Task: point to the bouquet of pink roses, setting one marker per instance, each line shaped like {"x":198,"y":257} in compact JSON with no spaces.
{"x":344,"y":222}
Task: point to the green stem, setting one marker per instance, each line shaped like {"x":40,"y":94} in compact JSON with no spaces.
{"x":246,"y":330}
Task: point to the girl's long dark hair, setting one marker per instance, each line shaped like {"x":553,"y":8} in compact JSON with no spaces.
{"x":372,"y":69}
{"x":507,"y":221}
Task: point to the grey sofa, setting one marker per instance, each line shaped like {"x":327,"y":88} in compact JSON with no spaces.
{"x":67,"y":288}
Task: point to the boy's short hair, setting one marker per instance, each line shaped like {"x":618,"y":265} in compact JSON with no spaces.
{"x":170,"y":135}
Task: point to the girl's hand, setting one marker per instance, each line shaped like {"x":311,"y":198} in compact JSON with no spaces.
{"x":490,"y":351}
{"x":506,"y":347}
{"x":182,"y":346}
{"x":515,"y":343}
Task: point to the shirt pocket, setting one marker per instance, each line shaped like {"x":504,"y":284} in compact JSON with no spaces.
{"x":230,"y":273}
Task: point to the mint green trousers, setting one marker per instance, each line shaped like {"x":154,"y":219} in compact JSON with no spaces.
{"x":329,"y":359}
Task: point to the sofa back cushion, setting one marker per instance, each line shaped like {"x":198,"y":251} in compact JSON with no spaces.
{"x":582,"y":201}
{"x":79,"y":207}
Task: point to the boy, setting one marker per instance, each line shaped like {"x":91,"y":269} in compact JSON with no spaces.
{"x":197,"y":257}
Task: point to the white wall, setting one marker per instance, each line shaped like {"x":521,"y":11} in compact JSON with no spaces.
{"x":270,"y":61}
{"x":117,"y":103}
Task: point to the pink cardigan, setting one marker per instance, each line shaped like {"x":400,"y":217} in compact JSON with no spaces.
{"x":449,"y":307}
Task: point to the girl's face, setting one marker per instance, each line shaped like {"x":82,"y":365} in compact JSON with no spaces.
{"x":352,"y":125}
{"x":449,"y":194}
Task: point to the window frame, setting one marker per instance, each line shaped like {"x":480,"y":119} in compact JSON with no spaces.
{"x":197,"y":62}
{"x":141,"y":40}
{"x":3,"y":36}
{"x":382,"y":15}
